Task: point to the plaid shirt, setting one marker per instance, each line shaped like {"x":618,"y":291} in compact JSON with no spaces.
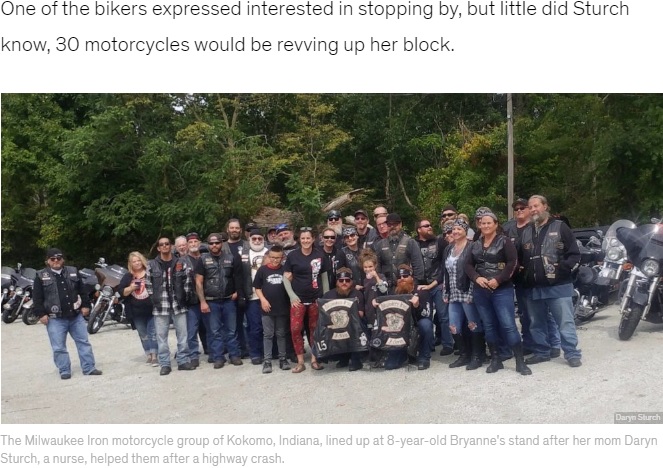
{"x":454,"y":294}
{"x":167,"y":303}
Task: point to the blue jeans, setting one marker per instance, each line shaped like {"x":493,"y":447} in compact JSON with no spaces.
{"x":525,"y":323}
{"x":459,"y":311}
{"x":441,"y":316}
{"x":146,"y":332}
{"x":561,"y":309}
{"x":497,"y":312}
{"x":57,"y":329}
{"x":427,"y":338}
{"x":222,"y":329}
{"x":254,"y":325}
{"x":193,"y":319}
{"x":162,"y":323}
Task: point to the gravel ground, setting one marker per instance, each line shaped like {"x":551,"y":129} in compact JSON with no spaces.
{"x":616,"y":376}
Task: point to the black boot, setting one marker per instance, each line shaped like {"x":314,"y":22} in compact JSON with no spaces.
{"x":495,"y":362}
{"x":464,"y":357}
{"x":520,"y":360}
{"x":478,"y":346}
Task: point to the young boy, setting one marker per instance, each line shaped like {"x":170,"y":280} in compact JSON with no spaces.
{"x":275,"y":306}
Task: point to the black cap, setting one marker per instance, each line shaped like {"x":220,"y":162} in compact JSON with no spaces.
{"x":282,"y":227}
{"x":361,"y":212}
{"x":519,"y":202}
{"x":334,"y":214}
{"x":255,"y":232}
{"x":53,"y":252}
{"x":192,"y":235}
{"x":394,"y":218}
{"x":448,"y":208}
{"x":215,"y":236}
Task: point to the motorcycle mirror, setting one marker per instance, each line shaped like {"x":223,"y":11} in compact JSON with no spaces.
{"x":102,"y":260}
{"x":19,"y":266}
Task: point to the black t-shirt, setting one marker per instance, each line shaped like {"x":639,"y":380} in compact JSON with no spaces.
{"x":270,"y":282}
{"x":306,"y":274}
{"x":139,"y":301}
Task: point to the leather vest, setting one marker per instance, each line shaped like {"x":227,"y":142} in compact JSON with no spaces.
{"x":218,"y":275}
{"x":552,"y":248}
{"x":428,"y":252}
{"x":185,"y":282}
{"x":352,"y":262}
{"x":491,"y":261}
{"x":52,"y":303}
{"x":391,"y":259}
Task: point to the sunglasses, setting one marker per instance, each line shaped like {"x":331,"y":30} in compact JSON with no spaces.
{"x":329,"y":237}
{"x":56,"y":258}
{"x":306,"y":229}
{"x":448,"y":215}
{"x":521,"y":208}
{"x":424,"y":226}
{"x":334,"y":218}
{"x":350,"y":235}
{"x":164,"y":244}
{"x":344,"y":280}
{"x":215,"y":243}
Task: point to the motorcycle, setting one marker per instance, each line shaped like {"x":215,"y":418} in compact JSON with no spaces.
{"x":20,"y":301}
{"x":643,"y":295}
{"x":588,"y":296}
{"x":9,"y":278}
{"x":107,"y":305}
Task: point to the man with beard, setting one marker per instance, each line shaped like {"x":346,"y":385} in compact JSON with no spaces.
{"x":335,"y":223}
{"x":398,"y":248}
{"x":252,"y":259}
{"x":286,"y":238}
{"x":235,"y":242}
{"x":160,"y":278}
{"x":432,"y":249}
{"x":448,"y":213}
{"x":365,"y":233}
{"x":219,"y":284}
{"x":194,"y":316}
{"x":345,"y":289}
{"x":548,"y":255}
{"x":514,"y":230}
{"x":422,"y":316}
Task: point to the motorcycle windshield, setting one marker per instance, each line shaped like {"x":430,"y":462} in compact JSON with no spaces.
{"x":111,"y":276}
{"x":643,"y":242}
{"x":7,"y":275}
{"x":29,"y":273}
{"x":610,"y":239}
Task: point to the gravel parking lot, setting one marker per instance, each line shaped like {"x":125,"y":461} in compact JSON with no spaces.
{"x":616,"y":376}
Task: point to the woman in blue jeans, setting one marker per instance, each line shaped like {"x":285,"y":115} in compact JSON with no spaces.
{"x":139,"y":305}
{"x":458,"y":294}
{"x":490,"y":265}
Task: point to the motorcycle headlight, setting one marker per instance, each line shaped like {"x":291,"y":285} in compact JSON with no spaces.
{"x":614,"y":242}
{"x":97,"y":287}
{"x":107,"y":291}
{"x":11,"y":288}
{"x":614,"y":254}
{"x":650,"y":267}
{"x":19,"y":291}
{"x":5,"y":291}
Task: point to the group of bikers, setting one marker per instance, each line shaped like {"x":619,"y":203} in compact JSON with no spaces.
{"x":248,"y":294}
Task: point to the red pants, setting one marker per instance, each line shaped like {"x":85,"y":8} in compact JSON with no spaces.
{"x":297,"y":314}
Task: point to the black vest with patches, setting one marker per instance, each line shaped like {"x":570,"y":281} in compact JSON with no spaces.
{"x":51,"y":295}
{"x":218,"y":275}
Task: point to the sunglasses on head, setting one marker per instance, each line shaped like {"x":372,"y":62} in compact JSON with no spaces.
{"x":344,"y":280}
{"x":306,"y":229}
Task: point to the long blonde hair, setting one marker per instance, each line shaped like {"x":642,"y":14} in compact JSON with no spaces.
{"x":143,"y":260}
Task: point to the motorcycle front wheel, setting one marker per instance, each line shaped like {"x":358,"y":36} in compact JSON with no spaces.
{"x":629,"y":322}
{"x":9,"y":316}
{"x":96,"y":319}
{"x":30,"y":316}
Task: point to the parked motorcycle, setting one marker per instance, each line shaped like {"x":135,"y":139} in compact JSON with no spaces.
{"x":643,"y":295}
{"x":20,"y":300}
{"x":107,"y":305}
{"x":588,"y":296}
{"x":9,"y":278}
